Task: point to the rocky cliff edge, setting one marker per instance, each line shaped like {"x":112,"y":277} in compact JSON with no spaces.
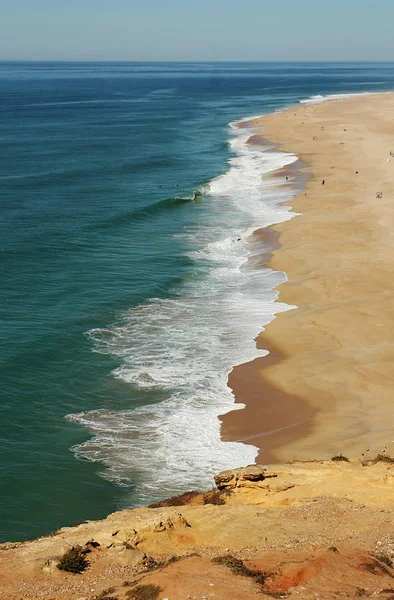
{"x":315,"y":530}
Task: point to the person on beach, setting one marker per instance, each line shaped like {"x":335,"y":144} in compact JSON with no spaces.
{"x":323,"y":181}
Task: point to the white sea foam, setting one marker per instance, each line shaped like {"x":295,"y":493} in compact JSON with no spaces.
{"x":185,"y":346}
{"x":234,"y":124}
{"x":318,"y":98}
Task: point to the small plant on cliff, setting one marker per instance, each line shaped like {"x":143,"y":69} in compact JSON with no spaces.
{"x":377,"y":567}
{"x":144,"y":592}
{"x":106,"y":595}
{"x":74,"y":560}
{"x":383,"y":558}
{"x":340,"y":457}
{"x":237,"y":566}
{"x":150,"y":564}
{"x":215,"y":497}
{"x":181,"y":500}
{"x":383,"y":458}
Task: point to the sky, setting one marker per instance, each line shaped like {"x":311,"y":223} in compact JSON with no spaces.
{"x":197,"y":30}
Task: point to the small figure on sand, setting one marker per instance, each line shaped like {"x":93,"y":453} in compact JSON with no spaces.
{"x":323,"y":181}
{"x":379,"y":194}
{"x":287,"y":179}
{"x":391,"y":153}
{"x":315,"y":137}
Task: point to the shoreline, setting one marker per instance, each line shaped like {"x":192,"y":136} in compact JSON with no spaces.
{"x":320,"y":368}
{"x":285,"y":416}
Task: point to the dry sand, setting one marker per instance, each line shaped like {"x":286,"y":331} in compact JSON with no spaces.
{"x":330,"y":380}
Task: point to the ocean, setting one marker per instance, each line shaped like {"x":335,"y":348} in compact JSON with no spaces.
{"x":128,"y":286}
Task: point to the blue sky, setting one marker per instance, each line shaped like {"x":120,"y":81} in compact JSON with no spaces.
{"x":197,"y":30}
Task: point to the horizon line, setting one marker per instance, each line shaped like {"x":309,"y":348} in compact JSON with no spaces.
{"x":112,"y":61}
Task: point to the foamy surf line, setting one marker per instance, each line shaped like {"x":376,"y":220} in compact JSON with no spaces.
{"x":186,"y":346}
{"x":319,"y":98}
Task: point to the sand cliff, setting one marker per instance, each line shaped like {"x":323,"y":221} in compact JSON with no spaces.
{"x":306,"y":530}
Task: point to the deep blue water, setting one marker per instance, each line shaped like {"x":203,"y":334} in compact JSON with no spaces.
{"x":99,"y":168}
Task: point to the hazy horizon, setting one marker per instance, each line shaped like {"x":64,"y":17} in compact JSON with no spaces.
{"x":215,"y":31}
{"x":126,"y":61}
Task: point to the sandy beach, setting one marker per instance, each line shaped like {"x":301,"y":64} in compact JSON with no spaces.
{"x":327,"y":386}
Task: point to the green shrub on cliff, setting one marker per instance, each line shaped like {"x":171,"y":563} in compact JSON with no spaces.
{"x":340,"y":457}
{"x":238,"y":568}
{"x":144,"y":592}
{"x":74,"y":560}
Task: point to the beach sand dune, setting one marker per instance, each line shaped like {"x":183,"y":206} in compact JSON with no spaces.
{"x":328,"y":386}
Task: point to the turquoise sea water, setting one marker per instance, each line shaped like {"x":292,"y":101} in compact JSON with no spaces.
{"x":126,"y":203}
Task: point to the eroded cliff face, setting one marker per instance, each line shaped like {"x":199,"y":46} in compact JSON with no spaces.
{"x":306,"y":530}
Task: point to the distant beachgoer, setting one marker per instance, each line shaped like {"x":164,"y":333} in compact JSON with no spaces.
{"x":323,"y":181}
{"x":315,"y":137}
{"x":379,"y":194}
{"x":356,"y":172}
{"x":287,"y":179}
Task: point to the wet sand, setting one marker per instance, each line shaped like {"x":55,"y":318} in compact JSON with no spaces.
{"x":327,"y":385}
